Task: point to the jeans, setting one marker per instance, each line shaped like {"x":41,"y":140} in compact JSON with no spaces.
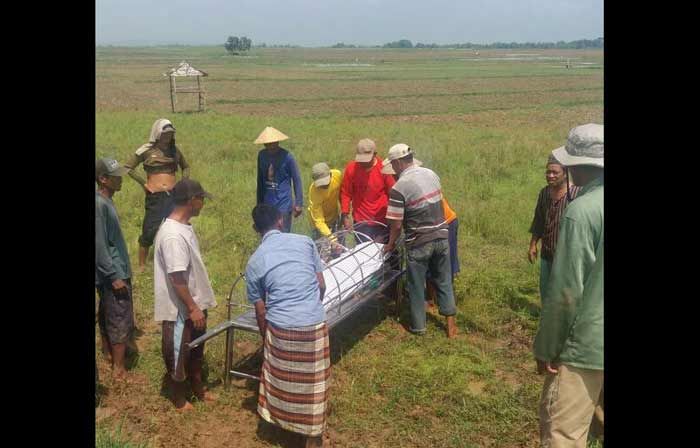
{"x":432,"y":257}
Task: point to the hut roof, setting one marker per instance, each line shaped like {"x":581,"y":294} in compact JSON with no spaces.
{"x":185,"y":69}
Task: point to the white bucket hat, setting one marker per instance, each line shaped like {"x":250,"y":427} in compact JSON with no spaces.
{"x":584,"y":146}
{"x":270,"y":135}
{"x":398,"y":151}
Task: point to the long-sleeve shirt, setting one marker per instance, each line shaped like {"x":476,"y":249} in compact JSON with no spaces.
{"x":548,"y":214}
{"x":276,"y":174}
{"x":571,"y":322}
{"x":368,"y":191}
{"x":111,"y":255}
{"x":323,"y":204}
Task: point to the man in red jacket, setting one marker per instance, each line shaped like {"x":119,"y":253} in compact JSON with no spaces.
{"x":367,"y":189}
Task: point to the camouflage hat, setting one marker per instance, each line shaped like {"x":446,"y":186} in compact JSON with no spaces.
{"x":584,"y":146}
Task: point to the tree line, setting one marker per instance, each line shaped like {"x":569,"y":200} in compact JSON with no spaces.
{"x":405,"y":43}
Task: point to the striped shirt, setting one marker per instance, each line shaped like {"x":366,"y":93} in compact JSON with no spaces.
{"x":545,"y":223}
{"x":416,"y":199}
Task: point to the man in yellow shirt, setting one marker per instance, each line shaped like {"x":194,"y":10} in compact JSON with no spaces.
{"x":324,"y":193}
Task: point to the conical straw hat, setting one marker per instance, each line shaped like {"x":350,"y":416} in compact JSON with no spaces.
{"x":270,"y":135}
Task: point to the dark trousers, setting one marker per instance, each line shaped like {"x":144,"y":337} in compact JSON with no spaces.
{"x":287,"y":222}
{"x":158,"y":206}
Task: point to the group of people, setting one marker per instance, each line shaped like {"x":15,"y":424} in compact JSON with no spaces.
{"x":380,"y":199}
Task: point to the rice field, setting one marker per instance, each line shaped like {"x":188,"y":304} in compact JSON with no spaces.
{"x":484,"y":123}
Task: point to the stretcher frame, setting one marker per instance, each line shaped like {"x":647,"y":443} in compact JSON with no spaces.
{"x":372,"y":288}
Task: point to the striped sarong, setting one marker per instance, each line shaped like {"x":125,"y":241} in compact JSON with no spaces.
{"x":295,"y":378}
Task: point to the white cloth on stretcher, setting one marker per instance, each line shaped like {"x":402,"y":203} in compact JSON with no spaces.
{"x":353,"y":269}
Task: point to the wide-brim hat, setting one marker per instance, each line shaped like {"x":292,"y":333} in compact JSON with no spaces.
{"x":270,"y":135}
{"x":584,"y":146}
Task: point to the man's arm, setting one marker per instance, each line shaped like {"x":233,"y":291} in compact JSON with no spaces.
{"x":572,"y":260}
{"x":179,"y":282}
{"x":131,"y":164}
{"x":346,"y":197}
{"x":394,"y":233}
{"x":298,"y":189}
{"x":321,"y":285}
{"x":260,"y":192}
{"x":103,"y":260}
{"x":537,"y":225}
{"x":255,"y":291}
{"x":184,"y":165}
{"x":176,"y":255}
{"x":316,"y":214}
{"x":394,"y":217}
{"x":260,"y":316}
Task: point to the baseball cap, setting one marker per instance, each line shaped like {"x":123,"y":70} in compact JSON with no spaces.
{"x":365,"y":150}
{"x":189,"y":188}
{"x":398,"y":151}
{"x":109,"y":167}
{"x":321,"y":174}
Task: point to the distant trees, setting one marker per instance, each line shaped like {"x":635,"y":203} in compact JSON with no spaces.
{"x":342,"y":45}
{"x":576,"y":44}
{"x":403,"y":43}
{"x":235,"y":44}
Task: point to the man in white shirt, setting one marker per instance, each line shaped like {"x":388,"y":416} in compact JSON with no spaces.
{"x":182,"y":293}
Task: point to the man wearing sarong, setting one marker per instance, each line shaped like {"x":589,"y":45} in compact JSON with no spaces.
{"x":284,"y":282}
{"x":161,"y":159}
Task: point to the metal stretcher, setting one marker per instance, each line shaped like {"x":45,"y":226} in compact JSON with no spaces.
{"x":355,"y":277}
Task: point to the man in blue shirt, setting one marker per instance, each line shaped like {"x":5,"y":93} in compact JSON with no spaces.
{"x":277,"y":170}
{"x":285,"y":283}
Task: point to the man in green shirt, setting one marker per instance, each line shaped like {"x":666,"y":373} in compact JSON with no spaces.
{"x":569,"y":343}
{"x":112,"y":268}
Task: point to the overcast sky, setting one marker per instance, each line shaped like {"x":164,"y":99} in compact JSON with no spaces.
{"x":362,"y":22}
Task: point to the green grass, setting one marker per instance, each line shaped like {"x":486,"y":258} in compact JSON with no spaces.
{"x":105,"y":438}
{"x":484,"y":127}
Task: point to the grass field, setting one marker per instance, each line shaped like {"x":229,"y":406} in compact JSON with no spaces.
{"x":485,"y":123}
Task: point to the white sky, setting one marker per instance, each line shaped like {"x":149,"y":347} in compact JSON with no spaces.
{"x":360,"y":22}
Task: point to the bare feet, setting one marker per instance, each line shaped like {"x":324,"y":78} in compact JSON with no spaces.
{"x":203,"y":394}
{"x":451,"y":327}
{"x":119,"y":374}
{"x":184,"y":406}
